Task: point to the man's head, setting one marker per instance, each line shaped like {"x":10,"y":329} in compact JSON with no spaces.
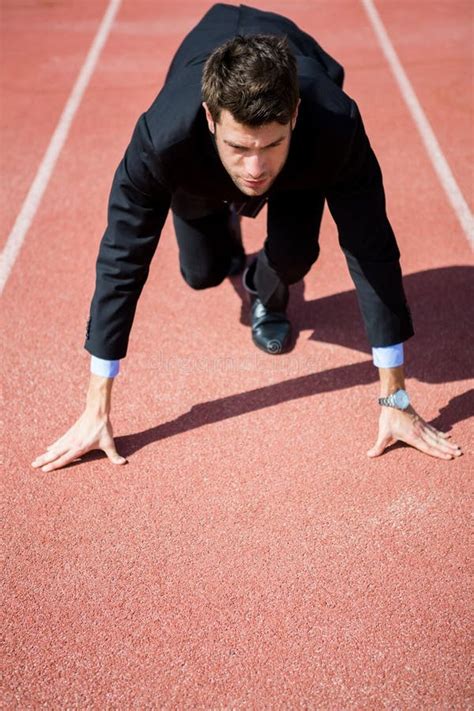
{"x":250,"y":92}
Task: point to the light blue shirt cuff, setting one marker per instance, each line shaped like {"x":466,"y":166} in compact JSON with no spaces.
{"x":389,"y":356}
{"x":105,"y":368}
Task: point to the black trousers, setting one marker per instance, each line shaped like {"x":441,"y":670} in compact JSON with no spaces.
{"x":205,"y":242}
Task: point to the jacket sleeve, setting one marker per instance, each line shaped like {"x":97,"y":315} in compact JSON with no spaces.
{"x":357,"y":203}
{"x":138,"y":206}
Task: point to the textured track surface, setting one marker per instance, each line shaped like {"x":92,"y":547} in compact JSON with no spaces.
{"x":249,"y":555}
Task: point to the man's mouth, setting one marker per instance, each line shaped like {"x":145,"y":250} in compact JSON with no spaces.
{"x":255,"y":183}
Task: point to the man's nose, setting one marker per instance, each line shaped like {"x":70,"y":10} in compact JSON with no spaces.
{"x":255,"y":166}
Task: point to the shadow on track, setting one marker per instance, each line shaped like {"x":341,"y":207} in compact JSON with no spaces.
{"x":442,"y":303}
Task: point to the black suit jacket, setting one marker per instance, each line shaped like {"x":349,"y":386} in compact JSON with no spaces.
{"x":171,"y":152}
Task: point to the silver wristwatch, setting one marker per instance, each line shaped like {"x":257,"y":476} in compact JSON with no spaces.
{"x":399,"y":400}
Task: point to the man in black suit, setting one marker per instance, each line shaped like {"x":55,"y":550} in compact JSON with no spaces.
{"x":252,"y":112}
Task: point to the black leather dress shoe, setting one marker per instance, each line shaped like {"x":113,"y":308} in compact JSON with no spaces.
{"x":271,"y":330}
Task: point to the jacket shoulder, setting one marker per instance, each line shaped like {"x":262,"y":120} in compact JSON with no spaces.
{"x":171,"y":117}
{"x":317,"y":89}
{"x":328,"y":121}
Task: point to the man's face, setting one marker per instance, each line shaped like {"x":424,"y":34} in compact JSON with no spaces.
{"x":253,"y":156}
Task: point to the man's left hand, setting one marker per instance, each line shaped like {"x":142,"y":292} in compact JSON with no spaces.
{"x":407,"y":426}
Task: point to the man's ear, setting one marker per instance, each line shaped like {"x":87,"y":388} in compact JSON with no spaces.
{"x":209,"y":119}
{"x":295,"y":115}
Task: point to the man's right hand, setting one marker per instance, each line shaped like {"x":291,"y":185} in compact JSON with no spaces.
{"x":93,"y":430}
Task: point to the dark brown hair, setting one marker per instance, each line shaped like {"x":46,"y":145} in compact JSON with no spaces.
{"x":253,"y":77}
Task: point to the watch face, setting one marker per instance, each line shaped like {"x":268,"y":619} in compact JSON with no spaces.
{"x":401,"y":399}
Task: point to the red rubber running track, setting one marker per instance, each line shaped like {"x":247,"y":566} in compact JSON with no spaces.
{"x":250,"y":555}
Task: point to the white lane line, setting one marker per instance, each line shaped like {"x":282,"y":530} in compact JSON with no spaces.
{"x":31,"y":203}
{"x":440,"y":164}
